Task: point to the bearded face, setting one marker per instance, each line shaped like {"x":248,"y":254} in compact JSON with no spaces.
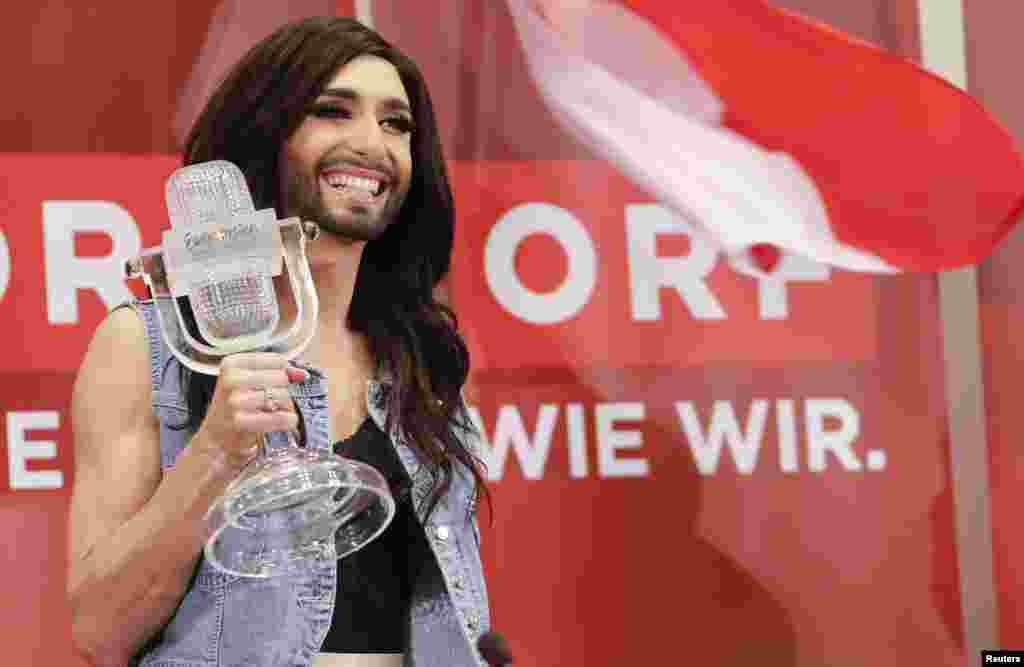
{"x":348,"y":165}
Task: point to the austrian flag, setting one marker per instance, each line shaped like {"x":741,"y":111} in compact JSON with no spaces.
{"x":763,"y":129}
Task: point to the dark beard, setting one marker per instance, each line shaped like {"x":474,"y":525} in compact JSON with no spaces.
{"x":303,"y":199}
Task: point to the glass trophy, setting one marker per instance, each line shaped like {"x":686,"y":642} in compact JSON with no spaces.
{"x":228,"y":279}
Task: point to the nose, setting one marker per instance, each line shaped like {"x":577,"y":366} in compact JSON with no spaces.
{"x":365,"y":136}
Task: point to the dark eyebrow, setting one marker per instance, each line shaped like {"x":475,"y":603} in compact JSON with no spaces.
{"x":351,"y":95}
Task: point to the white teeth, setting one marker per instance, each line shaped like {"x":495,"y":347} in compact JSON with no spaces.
{"x":337,"y":180}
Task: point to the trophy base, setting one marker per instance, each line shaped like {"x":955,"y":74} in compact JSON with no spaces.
{"x":294,"y":507}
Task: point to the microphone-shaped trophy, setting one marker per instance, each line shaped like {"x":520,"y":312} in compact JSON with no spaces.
{"x":212,"y":280}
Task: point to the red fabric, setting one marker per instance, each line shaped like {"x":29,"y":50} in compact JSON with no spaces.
{"x":912,"y":169}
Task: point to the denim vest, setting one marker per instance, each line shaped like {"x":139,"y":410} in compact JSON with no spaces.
{"x":229,"y":621}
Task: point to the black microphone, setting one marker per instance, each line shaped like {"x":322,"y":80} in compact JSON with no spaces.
{"x":494,"y":649}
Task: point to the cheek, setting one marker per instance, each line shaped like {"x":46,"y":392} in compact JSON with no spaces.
{"x":301,"y":147}
{"x":294,"y":155}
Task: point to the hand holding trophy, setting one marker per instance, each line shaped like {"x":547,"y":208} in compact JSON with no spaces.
{"x":213,"y":281}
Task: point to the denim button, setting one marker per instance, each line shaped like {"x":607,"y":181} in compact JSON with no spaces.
{"x":472,"y":620}
{"x":442,"y":533}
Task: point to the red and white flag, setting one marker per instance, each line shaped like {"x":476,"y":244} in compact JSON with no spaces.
{"x":763,"y":130}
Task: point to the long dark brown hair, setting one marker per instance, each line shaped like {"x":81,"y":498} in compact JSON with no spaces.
{"x":412,"y":336}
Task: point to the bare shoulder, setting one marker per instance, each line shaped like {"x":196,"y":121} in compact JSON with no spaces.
{"x":121,"y":336}
{"x":114,"y":375}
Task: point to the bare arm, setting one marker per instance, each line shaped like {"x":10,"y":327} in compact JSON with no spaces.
{"x":134,"y":538}
{"x":135,"y":533}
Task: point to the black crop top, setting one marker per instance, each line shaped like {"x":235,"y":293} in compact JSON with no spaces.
{"x":375,"y":584}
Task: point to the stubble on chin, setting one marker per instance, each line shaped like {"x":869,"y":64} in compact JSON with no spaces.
{"x":302,"y":199}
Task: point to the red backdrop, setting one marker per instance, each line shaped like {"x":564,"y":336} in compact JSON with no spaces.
{"x":687,"y":464}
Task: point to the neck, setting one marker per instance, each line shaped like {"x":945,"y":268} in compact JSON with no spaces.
{"x":334,"y":264}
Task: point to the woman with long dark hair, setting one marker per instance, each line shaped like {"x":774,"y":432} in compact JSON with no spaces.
{"x":332,"y":124}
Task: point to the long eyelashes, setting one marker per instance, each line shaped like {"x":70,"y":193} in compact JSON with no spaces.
{"x":401,"y":124}
{"x":329,"y":111}
{"x":395,"y":124}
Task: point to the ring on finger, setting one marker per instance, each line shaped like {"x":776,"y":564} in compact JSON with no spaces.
{"x":270,"y":403}
{"x":250,"y":453}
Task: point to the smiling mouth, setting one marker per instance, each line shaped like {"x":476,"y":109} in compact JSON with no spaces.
{"x":366,"y":188}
